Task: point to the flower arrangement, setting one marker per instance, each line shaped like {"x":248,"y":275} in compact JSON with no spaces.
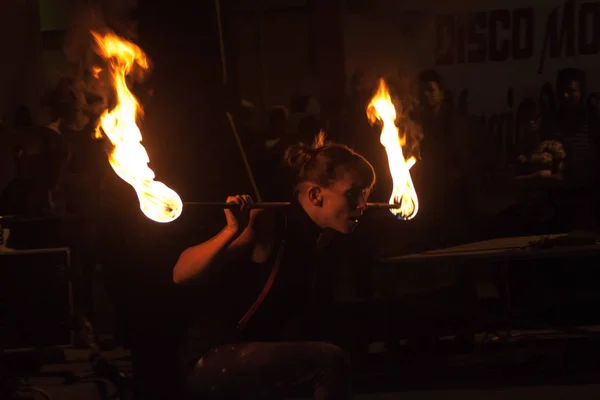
{"x":548,"y":157}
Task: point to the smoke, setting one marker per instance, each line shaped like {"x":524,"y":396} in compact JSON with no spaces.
{"x":78,"y":41}
{"x":403,"y":88}
{"x":85,"y":85}
{"x":406,"y":101}
{"x":404,"y":94}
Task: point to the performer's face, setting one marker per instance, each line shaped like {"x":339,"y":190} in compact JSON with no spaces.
{"x":343,"y":204}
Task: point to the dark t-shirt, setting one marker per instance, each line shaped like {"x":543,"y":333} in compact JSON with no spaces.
{"x":289,"y":311}
{"x":580,"y":138}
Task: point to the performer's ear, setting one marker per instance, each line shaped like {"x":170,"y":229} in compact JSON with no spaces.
{"x":315,"y":195}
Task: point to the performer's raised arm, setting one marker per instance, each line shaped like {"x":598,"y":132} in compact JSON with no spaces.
{"x":246,"y":235}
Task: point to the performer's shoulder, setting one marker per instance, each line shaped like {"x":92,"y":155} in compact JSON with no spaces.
{"x":263,"y":221}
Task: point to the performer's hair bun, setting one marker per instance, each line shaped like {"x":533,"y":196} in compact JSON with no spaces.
{"x":300,"y":154}
{"x":323,"y":161}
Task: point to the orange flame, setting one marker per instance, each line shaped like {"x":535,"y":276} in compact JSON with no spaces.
{"x":96,"y":72}
{"x":128,"y":157}
{"x":403,"y":194}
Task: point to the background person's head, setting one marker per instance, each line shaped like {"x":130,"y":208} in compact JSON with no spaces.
{"x":332,"y":182}
{"x":431,"y":88}
{"x":529,"y":115}
{"x":570,"y":87}
{"x":308,"y":128}
{"x":278,"y":117}
{"x":59,"y":104}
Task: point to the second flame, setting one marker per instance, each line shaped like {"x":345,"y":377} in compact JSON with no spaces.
{"x":404,"y":194}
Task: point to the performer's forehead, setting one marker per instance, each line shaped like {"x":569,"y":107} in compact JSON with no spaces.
{"x":352,"y":178}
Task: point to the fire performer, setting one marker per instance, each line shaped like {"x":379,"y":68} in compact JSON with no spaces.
{"x":252,"y":342}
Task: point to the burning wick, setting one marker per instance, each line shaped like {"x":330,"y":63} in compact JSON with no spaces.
{"x":404,"y":194}
{"x":128,"y":157}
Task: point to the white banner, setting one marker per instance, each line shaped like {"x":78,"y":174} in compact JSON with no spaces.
{"x":483,"y":48}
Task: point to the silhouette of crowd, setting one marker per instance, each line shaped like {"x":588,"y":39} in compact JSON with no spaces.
{"x":470,"y":185}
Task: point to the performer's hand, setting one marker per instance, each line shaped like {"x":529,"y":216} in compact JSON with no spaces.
{"x":238,"y":218}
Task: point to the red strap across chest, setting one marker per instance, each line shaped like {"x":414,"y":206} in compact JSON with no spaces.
{"x":261,"y":297}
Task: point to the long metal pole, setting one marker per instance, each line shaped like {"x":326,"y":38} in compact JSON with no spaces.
{"x":280,"y":204}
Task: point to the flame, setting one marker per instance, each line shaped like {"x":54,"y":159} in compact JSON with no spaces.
{"x":128,"y":157}
{"x":404,"y":194}
{"x":96,"y":72}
